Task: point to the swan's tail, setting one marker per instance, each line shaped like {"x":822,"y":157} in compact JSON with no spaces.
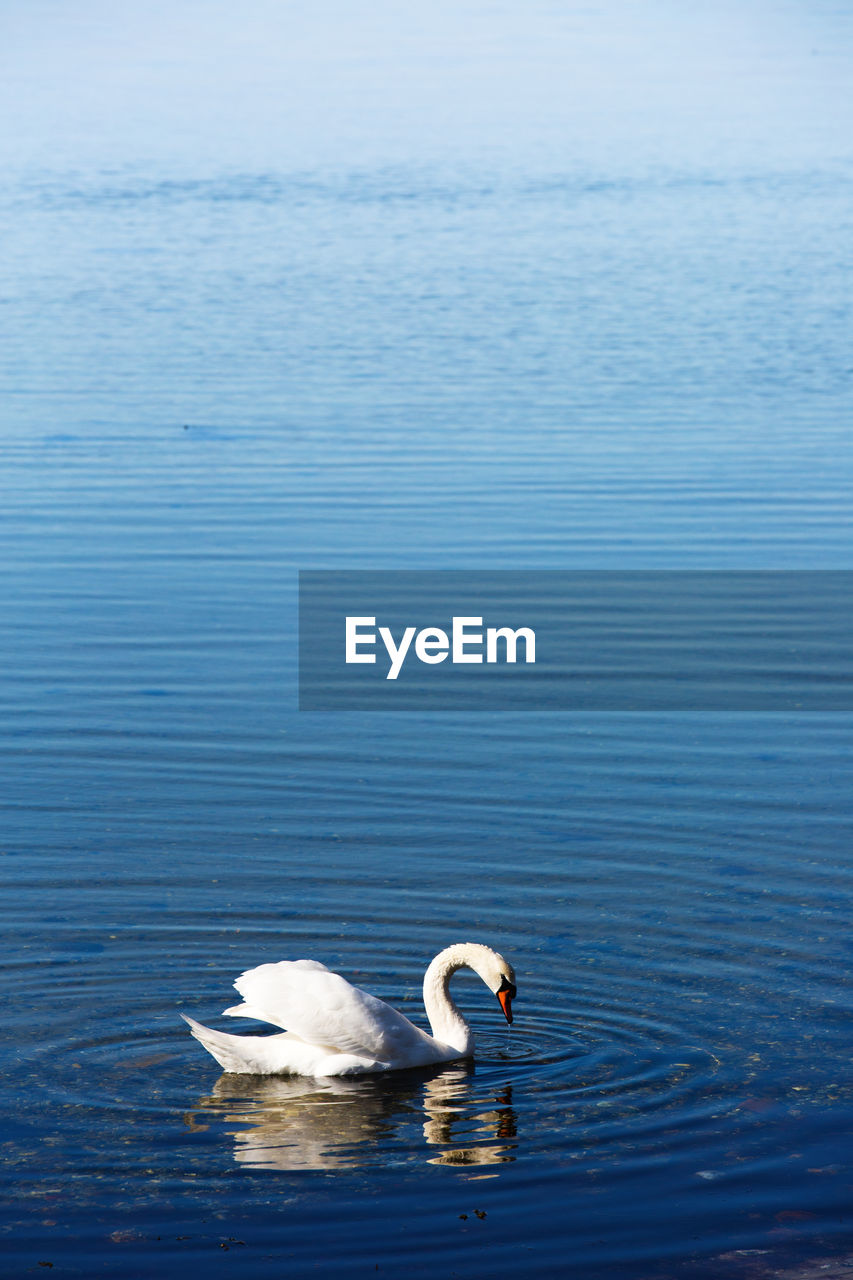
{"x":233,"y":1053}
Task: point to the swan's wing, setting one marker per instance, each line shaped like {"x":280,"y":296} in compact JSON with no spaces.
{"x":323,"y":1009}
{"x":264,"y":988}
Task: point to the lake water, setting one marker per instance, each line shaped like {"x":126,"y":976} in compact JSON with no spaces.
{"x":360,"y":288}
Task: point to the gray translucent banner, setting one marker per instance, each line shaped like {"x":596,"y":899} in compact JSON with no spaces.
{"x":649,"y":640}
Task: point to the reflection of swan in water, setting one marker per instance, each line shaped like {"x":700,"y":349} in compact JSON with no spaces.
{"x":459,"y":1130}
{"x":336,"y":1029}
{"x":292,"y":1123}
{"x":289,"y":1123}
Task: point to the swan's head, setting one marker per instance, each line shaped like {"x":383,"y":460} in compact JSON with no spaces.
{"x":497,"y":973}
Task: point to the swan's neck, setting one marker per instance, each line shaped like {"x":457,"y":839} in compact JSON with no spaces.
{"x":447,"y":1023}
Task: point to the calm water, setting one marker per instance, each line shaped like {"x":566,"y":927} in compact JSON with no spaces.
{"x":471,"y":290}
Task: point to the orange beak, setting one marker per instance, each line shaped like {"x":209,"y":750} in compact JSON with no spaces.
{"x":505,"y":998}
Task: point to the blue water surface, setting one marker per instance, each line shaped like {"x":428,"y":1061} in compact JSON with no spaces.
{"x":368,"y":287}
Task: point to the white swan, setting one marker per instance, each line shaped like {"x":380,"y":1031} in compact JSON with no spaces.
{"x":336,"y":1029}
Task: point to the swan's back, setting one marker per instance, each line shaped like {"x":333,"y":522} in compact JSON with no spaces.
{"x":322,"y":1009}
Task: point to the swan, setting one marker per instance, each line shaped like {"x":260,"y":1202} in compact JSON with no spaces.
{"x":336,"y":1029}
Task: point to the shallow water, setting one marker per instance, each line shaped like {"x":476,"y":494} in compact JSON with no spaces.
{"x":503,"y":337}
